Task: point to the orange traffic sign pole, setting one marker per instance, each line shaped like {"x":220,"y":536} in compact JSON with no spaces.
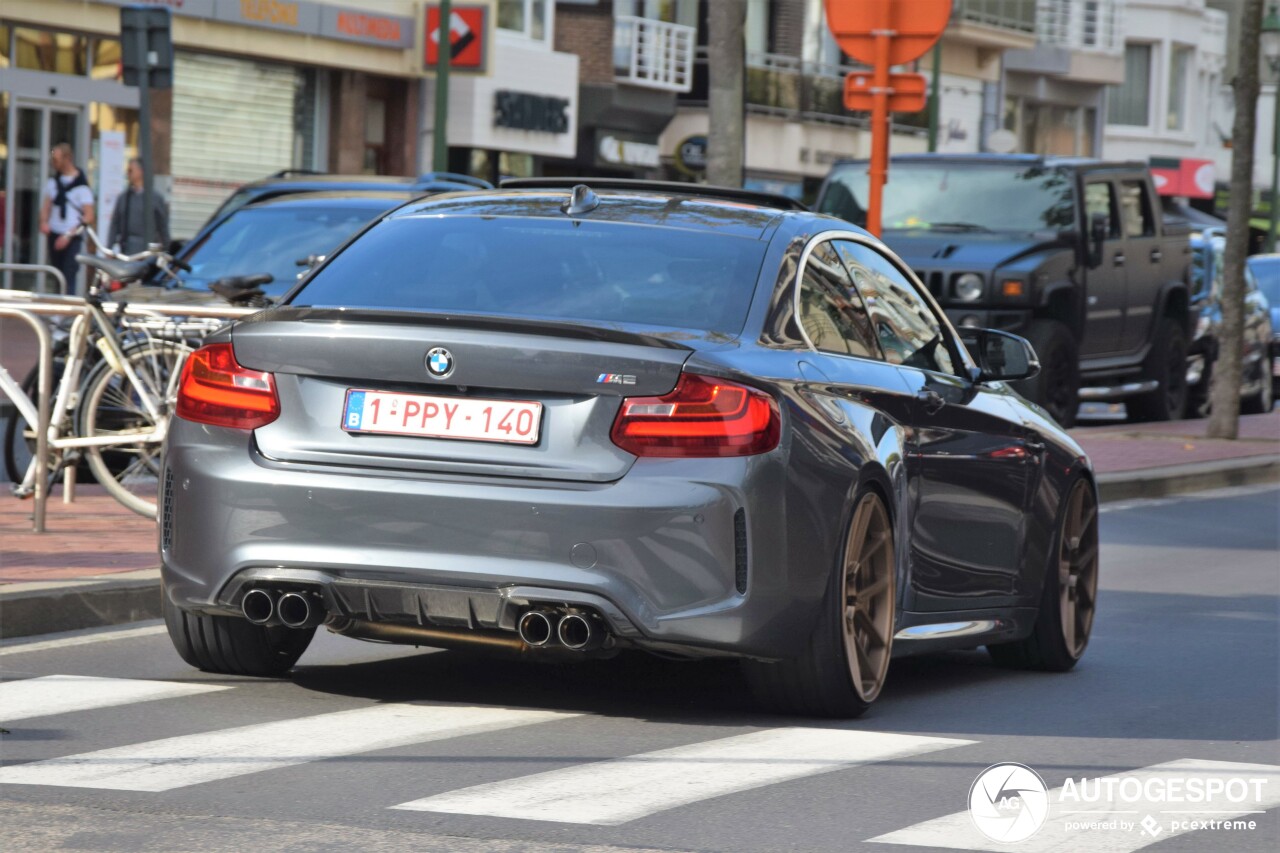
{"x":879,"y":173}
{"x":882,"y":33}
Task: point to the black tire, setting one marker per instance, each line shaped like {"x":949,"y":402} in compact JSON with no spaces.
{"x":1056,"y":388}
{"x":820,"y":681}
{"x":233,"y":646}
{"x":1199,"y":404}
{"x":1047,"y":647}
{"x":1167,"y":364}
{"x":1262,"y":402}
{"x":18,"y":448}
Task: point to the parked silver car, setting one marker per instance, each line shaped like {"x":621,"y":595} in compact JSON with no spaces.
{"x":568,"y":421}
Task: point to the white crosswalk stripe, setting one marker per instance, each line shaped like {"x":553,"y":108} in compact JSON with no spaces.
{"x":61,"y":694}
{"x":1074,"y":825}
{"x":614,"y":792}
{"x":177,"y":762}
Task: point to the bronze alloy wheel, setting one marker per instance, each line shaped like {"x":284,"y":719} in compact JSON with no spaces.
{"x":868,"y":596}
{"x":1078,"y":568}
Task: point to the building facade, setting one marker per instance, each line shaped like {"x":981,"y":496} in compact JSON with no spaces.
{"x":797,"y":125}
{"x":335,"y":87}
{"x":1172,"y":109}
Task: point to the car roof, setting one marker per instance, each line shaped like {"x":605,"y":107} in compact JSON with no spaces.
{"x":377,"y":199}
{"x":1050,"y":161}
{"x":654,"y":207}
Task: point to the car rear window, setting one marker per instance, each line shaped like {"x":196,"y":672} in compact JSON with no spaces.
{"x":594,"y":272}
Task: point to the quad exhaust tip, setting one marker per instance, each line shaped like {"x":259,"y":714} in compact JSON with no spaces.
{"x":578,"y":633}
{"x":297,"y":610}
{"x":258,"y":606}
{"x":535,"y":628}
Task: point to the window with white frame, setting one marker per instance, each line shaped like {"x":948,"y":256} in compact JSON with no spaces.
{"x":528,"y":18}
{"x":1130,"y":102}
{"x":1180,"y":60}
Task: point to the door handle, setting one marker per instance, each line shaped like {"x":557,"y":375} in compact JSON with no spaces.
{"x":1118,"y":259}
{"x":931,"y":401}
{"x":1156,"y":255}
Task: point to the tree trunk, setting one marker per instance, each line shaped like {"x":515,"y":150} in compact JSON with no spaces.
{"x":1224,"y":420}
{"x":726,"y":60}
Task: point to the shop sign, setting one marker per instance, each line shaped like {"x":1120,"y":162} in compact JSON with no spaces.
{"x":305,"y":17}
{"x":468,"y":38}
{"x":292,"y":15}
{"x":525,"y":111}
{"x":365,"y":27}
{"x":615,"y":151}
{"x":691,"y":155}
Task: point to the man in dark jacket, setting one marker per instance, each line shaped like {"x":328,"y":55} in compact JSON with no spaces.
{"x":126,"y":230}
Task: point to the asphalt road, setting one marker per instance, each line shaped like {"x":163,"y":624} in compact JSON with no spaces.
{"x":639,"y":753}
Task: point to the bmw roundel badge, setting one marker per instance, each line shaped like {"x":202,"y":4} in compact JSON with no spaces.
{"x":439,"y":362}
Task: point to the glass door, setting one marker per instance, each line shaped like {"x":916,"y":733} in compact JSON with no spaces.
{"x":35,"y":129}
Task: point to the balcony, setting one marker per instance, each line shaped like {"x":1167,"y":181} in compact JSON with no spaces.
{"x":1080,"y":41}
{"x":994,"y":24}
{"x":653,"y":54}
{"x":1090,"y":26}
{"x":790,"y":88}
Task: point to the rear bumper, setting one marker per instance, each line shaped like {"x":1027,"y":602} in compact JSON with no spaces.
{"x":659,"y":553}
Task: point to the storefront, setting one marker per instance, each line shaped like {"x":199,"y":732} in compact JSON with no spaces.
{"x":57,"y":87}
{"x":333,"y":88}
{"x":510,"y":121}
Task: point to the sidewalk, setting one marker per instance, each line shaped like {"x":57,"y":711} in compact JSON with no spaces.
{"x":96,"y":565}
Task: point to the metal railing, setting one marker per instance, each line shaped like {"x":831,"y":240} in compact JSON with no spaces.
{"x":37,"y":269}
{"x":1019,"y":15}
{"x":1086,"y":25}
{"x":30,"y":308}
{"x":652,"y":53}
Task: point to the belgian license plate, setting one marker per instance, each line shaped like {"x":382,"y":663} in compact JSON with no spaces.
{"x":469,"y":419}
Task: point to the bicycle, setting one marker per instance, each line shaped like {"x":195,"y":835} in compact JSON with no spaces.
{"x":118,"y":384}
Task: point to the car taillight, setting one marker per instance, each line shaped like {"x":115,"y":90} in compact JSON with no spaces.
{"x":703,"y":416}
{"x":216,"y":390}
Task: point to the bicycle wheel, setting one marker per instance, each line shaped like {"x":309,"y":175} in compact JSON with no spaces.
{"x":20,"y":436}
{"x":112,"y":406}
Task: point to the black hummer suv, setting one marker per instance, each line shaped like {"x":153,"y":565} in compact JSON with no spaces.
{"x":1072,"y":254}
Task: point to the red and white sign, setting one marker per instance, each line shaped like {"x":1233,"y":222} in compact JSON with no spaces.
{"x":467,"y":37}
{"x":389,"y":413}
{"x":1186,"y":178}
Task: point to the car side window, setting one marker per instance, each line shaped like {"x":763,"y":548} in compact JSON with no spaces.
{"x":1138,"y":221}
{"x":831,"y":312}
{"x":905,"y":325}
{"x":1099,"y":197}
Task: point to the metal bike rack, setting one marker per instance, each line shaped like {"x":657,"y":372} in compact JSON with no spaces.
{"x":30,"y":308}
{"x":44,"y":387}
{"x":38,"y":268}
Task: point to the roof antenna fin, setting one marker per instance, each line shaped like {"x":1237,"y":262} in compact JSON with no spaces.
{"x":581,"y":200}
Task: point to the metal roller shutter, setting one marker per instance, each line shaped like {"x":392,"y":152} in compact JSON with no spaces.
{"x":233,"y":122}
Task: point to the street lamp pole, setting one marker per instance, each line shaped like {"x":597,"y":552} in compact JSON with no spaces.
{"x":444,"y":54}
{"x":1271,"y":49}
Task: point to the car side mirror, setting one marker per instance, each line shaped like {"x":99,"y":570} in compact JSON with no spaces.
{"x":1001,"y":356}
{"x":1099,"y":230}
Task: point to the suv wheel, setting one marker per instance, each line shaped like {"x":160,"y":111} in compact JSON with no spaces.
{"x":1167,"y":365}
{"x":1057,"y":386}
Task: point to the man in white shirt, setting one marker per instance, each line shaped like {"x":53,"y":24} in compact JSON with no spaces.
{"x":68,"y":202}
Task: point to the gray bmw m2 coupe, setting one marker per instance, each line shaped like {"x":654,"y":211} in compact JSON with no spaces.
{"x":567,"y":420}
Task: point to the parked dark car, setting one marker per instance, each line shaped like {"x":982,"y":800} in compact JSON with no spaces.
{"x":566,"y":421}
{"x":1256,"y":391}
{"x":294,"y":181}
{"x":1073,"y":254}
{"x":1265,"y":271}
{"x":278,"y":236}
